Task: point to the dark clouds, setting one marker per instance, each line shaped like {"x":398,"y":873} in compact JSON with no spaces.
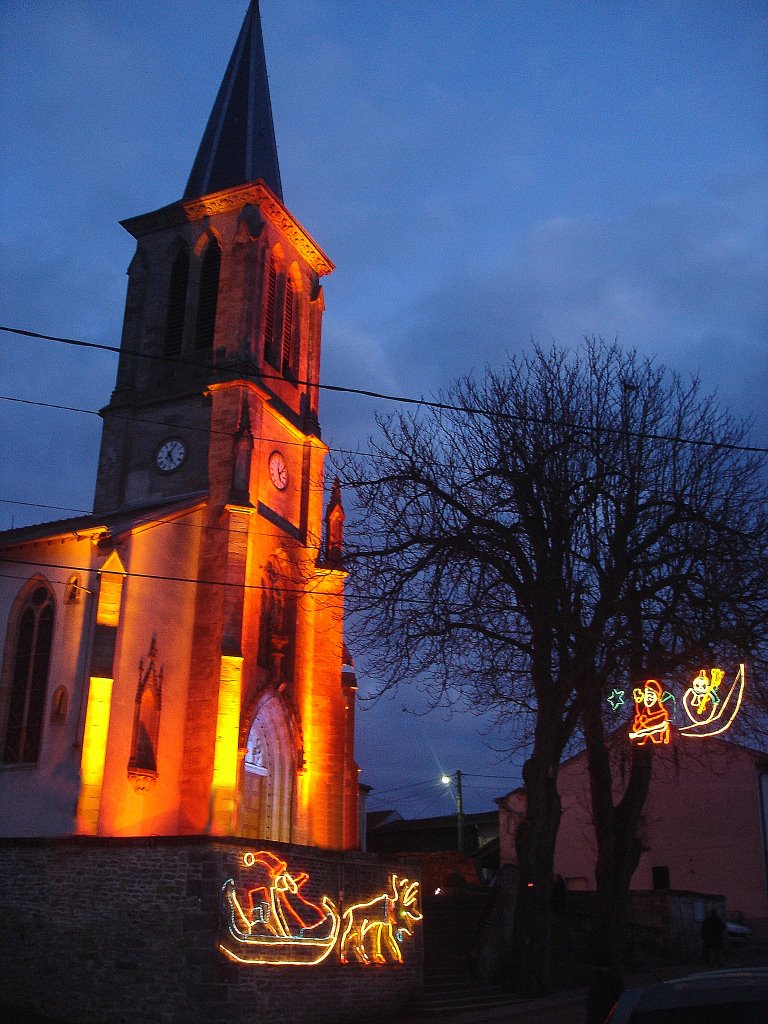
{"x":481,"y":174}
{"x":682,"y":280}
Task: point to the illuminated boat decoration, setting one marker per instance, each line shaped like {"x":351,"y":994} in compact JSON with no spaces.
{"x":710,"y":714}
{"x":273,"y":922}
{"x":268,"y":919}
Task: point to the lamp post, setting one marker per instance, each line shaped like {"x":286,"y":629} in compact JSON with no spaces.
{"x":446,"y":779}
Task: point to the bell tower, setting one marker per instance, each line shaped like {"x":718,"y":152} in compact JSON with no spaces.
{"x":223,"y":312}
{"x":215,"y":409}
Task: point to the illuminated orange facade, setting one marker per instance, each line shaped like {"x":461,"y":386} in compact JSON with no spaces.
{"x":192,"y":627}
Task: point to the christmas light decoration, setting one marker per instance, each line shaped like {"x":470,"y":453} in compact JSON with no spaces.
{"x":651,"y":721}
{"x":710,"y":714}
{"x":616,"y":699}
{"x":269,"y":921}
{"x":277,"y":925}
{"x":378,"y":926}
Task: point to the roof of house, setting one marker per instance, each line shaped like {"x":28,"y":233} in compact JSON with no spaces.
{"x":443,"y":821}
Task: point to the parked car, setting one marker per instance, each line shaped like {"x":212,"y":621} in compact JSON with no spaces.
{"x":737,"y":933}
{"x":714,"y":997}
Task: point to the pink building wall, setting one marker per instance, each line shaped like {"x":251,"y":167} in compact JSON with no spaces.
{"x":705,"y":822}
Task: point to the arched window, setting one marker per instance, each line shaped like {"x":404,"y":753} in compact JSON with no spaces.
{"x":29,"y":678}
{"x":147,"y":727}
{"x":269,"y":314}
{"x":146,"y":717}
{"x":288,"y":368}
{"x":177,"y":303}
{"x":208,"y":297}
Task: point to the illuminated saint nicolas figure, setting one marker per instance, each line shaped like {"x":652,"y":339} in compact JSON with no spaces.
{"x":175,"y":662}
{"x":651,"y":721}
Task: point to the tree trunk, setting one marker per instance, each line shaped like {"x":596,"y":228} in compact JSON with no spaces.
{"x":535,"y":845}
{"x":618,"y":854}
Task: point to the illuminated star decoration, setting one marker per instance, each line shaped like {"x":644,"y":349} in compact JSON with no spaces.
{"x":616,"y":699}
{"x":668,"y":696}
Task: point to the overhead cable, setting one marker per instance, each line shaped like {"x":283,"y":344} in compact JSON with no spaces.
{"x":400,"y":399}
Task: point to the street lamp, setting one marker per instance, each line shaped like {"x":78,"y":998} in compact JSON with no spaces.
{"x":446,"y":780}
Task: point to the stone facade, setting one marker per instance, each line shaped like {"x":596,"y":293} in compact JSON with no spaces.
{"x":125,"y":931}
{"x":206,"y":687}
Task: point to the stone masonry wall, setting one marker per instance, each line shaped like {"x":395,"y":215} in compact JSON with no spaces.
{"x":125,"y":931}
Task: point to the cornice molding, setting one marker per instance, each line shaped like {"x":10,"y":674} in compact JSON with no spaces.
{"x":226,"y":201}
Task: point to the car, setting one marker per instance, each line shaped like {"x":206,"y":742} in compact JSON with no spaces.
{"x":738,"y":996}
{"x":737,"y":933}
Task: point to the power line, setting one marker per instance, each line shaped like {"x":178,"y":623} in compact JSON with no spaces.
{"x":285,"y":442}
{"x":52,"y":508}
{"x":398,"y":399}
{"x":294,"y":590}
{"x":130,"y":574}
{"x":411,"y":785}
{"x":475,"y":775}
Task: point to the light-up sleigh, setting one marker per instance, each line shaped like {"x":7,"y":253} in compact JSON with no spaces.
{"x":268,"y":919}
{"x":271,"y":922}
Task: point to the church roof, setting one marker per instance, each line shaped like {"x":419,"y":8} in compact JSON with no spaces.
{"x":119,"y":522}
{"x":239,"y":142}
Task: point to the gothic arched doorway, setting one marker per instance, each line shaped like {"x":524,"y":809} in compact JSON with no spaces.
{"x":269,"y":772}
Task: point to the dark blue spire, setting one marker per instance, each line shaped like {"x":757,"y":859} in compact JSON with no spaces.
{"x":239,"y":142}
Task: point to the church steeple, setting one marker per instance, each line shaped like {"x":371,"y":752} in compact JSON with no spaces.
{"x":224,"y":292}
{"x":239,"y":145}
{"x":206,"y":542}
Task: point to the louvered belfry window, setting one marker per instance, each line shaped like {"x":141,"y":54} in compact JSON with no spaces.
{"x":208,"y":297}
{"x":287,"y":361}
{"x":269,"y":315}
{"x":177,"y":303}
{"x":29,"y":679}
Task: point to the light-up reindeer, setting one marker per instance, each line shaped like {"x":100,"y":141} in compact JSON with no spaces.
{"x":372,"y":931}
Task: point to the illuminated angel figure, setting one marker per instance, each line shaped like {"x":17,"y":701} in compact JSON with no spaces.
{"x":711,"y":714}
{"x":651,"y":720}
{"x":702,"y":696}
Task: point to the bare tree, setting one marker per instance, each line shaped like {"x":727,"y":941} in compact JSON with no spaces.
{"x":539,"y":535}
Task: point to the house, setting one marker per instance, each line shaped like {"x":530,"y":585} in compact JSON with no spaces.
{"x":704,"y":829}
{"x":434,"y":843}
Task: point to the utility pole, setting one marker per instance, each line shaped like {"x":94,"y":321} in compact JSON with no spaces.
{"x":459,"y":811}
{"x":446,"y":779}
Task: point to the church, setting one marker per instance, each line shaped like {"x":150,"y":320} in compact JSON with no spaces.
{"x":173,"y":664}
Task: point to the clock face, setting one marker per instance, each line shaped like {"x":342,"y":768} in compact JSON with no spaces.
{"x":278,"y":471}
{"x":170,"y":455}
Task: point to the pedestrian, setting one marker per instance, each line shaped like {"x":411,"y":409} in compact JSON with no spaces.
{"x":712,"y":930}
